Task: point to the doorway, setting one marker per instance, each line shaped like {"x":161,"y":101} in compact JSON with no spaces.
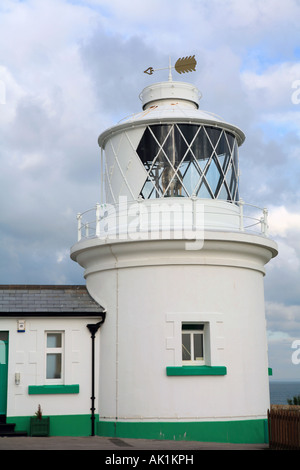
{"x":3,"y":371}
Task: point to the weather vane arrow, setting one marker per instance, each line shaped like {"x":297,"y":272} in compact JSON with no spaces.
{"x":150,"y":70}
{"x":183,"y":65}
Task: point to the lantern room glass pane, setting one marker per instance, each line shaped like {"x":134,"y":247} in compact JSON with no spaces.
{"x":148,"y":147}
{"x":213,"y":176}
{"x":202,"y":147}
{"x":183,"y":160}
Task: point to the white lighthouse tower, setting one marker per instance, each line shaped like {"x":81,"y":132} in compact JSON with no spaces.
{"x":170,"y":254}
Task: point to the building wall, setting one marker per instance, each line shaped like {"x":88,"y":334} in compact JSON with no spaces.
{"x":68,"y":404}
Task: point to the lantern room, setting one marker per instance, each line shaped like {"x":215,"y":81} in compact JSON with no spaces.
{"x":171,"y":149}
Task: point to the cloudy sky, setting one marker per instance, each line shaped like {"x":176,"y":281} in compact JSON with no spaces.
{"x":71,"y":68}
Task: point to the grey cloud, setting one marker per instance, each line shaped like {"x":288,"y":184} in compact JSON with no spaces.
{"x":116,"y":66}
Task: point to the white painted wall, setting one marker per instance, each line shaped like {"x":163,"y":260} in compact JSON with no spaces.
{"x":148,"y":288}
{"x":27,"y":356}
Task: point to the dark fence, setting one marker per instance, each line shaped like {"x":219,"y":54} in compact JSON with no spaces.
{"x":284,"y":429}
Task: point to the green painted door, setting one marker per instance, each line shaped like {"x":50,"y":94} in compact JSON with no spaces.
{"x":3,"y":371}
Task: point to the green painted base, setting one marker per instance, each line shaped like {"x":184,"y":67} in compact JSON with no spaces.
{"x":71,"y":425}
{"x":234,"y":432}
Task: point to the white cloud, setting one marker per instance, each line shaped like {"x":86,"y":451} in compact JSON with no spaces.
{"x":273,"y":90}
{"x":278,"y":337}
{"x":30,"y":161}
{"x":62,"y":256}
{"x":282,"y":221}
{"x":12,"y":92}
{"x":283,"y":320}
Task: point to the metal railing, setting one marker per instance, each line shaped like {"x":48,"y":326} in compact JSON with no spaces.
{"x":247,"y":217}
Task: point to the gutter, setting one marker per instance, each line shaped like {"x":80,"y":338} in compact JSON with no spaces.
{"x":93,"y":328}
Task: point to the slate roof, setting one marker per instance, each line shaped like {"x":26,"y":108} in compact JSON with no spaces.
{"x":35,"y":298}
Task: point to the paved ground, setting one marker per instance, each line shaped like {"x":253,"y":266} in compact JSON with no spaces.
{"x":116,"y":445}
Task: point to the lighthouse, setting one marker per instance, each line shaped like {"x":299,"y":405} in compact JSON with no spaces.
{"x":177,"y":259}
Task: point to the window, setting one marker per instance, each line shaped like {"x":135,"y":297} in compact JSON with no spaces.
{"x":192,"y":343}
{"x":183,"y":160}
{"x":54,"y":357}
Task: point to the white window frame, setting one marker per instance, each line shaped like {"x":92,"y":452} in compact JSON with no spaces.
{"x":57,"y":350}
{"x":196,"y":329}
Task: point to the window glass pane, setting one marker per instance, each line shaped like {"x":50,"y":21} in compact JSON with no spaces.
{"x":53,"y":340}
{"x":161,"y":132}
{"x":222,"y":147}
{"x":186,"y":347}
{"x":3,"y":335}
{"x":191,"y":176}
{"x":231,"y":140}
{"x":224,"y":161}
{"x":224,"y":193}
{"x":202,"y":148}
{"x":174,"y":167}
{"x":202,"y":164}
{"x":149,"y":191}
{"x":148,"y":147}
{"x":189,"y":131}
{"x":213,"y":176}
{"x":204,"y":191}
{"x":2,"y":352}
{"x":198,"y":347}
{"x":171,"y":182}
{"x":213,"y":134}
{"x":53,"y":366}
{"x":236,"y":162}
{"x":175,"y":147}
{"x":192,"y":326}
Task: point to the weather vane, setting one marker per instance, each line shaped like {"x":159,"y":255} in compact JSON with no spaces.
{"x":183,"y":65}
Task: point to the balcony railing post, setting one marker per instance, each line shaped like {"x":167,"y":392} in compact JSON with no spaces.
{"x":79,"y":217}
{"x":98,"y":209}
{"x":194,"y":216}
{"x":241,"y":206}
{"x":266,"y":226}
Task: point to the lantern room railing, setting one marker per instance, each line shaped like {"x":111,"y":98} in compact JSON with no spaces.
{"x":193,"y":214}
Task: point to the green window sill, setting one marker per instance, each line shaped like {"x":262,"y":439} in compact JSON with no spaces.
{"x":52,"y":389}
{"x":196,"y":370}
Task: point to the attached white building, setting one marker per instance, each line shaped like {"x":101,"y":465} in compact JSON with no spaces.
{"x":46,"y":358}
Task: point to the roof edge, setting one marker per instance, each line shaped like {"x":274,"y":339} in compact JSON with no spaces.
{"x":108,"y":133}
{"x":54,"y":314}
{"x":41,"y":286}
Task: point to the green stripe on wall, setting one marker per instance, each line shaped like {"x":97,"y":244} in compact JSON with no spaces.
{"x":196,"y":370}
{"x":235,"y":432}
{"x":52,"y":389}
